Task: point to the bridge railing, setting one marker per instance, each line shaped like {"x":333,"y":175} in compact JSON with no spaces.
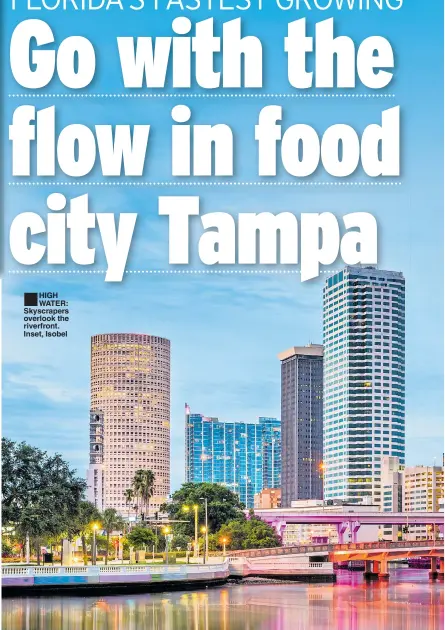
{"x":323,"y":548}
{"x":386,"y":544}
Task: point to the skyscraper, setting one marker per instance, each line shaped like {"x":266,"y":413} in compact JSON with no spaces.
{"x":364,"y":380}
{"x":230,"y":453}
{"x":301,"y":423}
{"x":130,"y":384}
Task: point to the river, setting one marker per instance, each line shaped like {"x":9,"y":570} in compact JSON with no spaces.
{"x":407,"y":602}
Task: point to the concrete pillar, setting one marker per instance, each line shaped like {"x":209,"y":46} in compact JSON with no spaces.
{"x":27,"y":550}
{"x":354,"y":527}
{"x":441,"y":566}
{"x":384,"y":572}
{"x":279,"y":527}
{"x":67,"y":553}
{"x":433,"y":573}
{"x":369,"y":573}
{"x":341,"y":528}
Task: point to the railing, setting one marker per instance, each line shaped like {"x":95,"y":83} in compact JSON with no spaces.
{"x":244,"y":567}
{"x":385,"y":544}
{"x":316,"y":549}
{"x":8,"y":571}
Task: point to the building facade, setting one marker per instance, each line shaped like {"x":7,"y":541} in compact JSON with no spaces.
{"x":392,"y":494}
{"x":95,"y":472}
{"x":301,"y":423}
{"x":268,"y":499}
{"x":423,"y":491}
{"x":271,"y":447}
{"x":230,"y":453}
{"x":364,"y":380}
{"x":130,"y":384}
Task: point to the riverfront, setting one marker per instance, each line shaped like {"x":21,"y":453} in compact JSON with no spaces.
{"x":407,"y":602}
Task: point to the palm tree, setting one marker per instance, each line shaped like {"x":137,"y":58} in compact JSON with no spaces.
{"x":129,"y":496}
{"x":147,"y":488}
{"x":111,"y":520}
{"x":137,"y":485}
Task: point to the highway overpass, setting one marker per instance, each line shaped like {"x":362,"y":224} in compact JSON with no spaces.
{"x":353,"y":520}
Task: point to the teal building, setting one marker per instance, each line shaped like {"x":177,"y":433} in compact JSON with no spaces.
{"x":244,"y":456}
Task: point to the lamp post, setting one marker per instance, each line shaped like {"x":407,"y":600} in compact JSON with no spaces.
{"x":224,"y":542}
{"x":94,"y":551}
{"x":206,"y":552}
{"x":186,"y":508}
{"x":204,"y":531}
{"x":166,"y":531}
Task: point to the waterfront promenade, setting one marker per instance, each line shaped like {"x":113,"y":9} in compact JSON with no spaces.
{"x":47,"y":579}
{"x":120,"y":578}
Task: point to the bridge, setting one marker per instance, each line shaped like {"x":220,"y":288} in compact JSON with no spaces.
{"x":375,"y":554}
{"x":278,"y":518}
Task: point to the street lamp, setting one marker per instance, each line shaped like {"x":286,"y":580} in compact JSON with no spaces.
{"x":224,"y":543}
{"x":186,"y":508}
{"x":206,"y":553}
{"x":166,"y":531}
{"x":204,"y":531}
{"x":94,"y":551}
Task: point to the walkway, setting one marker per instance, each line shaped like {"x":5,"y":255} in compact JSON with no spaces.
{"x":115,"y":577}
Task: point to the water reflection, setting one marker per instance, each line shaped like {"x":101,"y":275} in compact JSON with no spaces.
{"x":411,"y":603}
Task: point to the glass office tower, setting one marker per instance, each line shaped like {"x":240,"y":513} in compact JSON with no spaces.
{"x":364,"y":380}
{"x":271,"y":446}
{"x":230,"y":453}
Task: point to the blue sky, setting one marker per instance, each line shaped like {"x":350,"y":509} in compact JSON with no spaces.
{"x":227,"y":330}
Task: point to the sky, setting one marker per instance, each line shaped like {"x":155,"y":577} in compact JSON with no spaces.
{"x":226,"y":330}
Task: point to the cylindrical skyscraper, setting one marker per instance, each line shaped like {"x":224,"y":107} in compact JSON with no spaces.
{"x":130,"y":384}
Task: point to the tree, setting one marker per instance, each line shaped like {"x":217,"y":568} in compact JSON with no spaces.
{"x":7,"y":549}
{"x":87,"y":513}
{"x":251,"y":533}
{"x":102,"y":546}
{"x":146,"y":488}
{"x":223,"y":506}
{"x":111,"y":521}
{"x":141,"y":537}
{"x":143,"y":488}
{"x":137,"y":484}
{"x":129,"y":498}
{"x":40,"y":493}
{"x":179,"y":540}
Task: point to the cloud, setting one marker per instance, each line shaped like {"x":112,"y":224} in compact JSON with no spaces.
{"x":41,"y":381}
